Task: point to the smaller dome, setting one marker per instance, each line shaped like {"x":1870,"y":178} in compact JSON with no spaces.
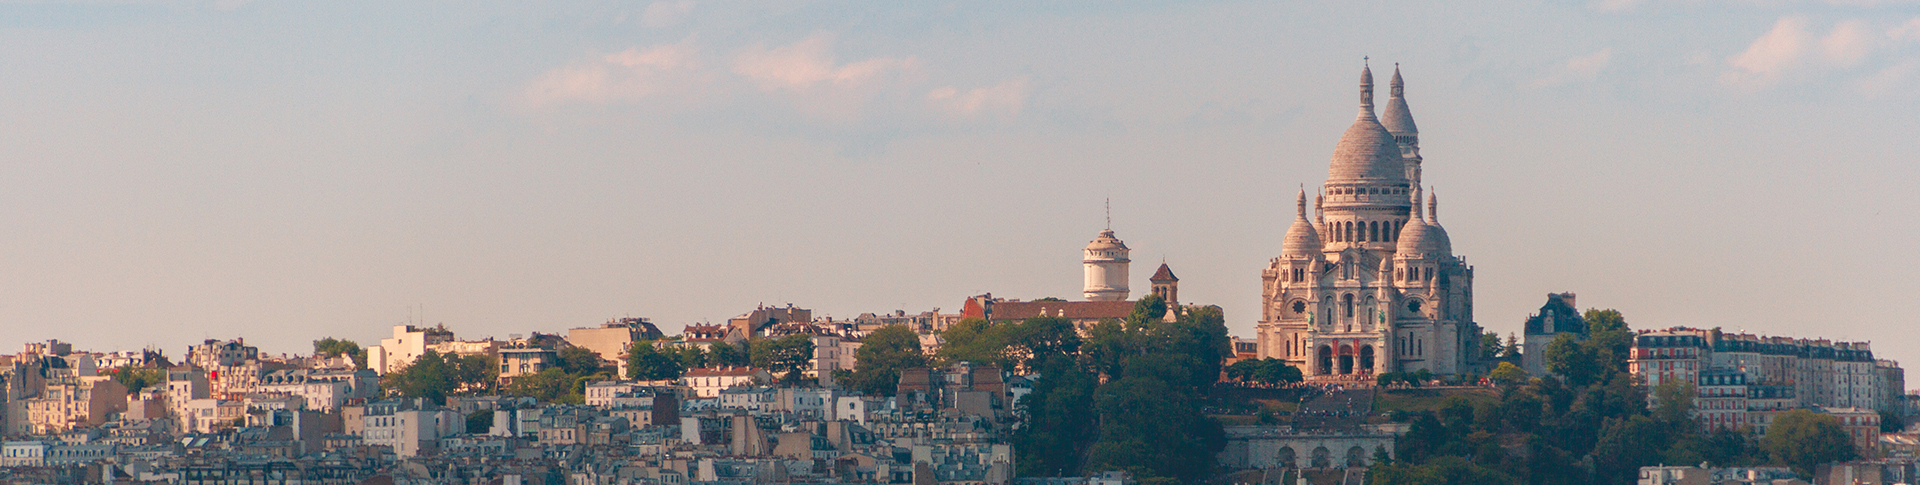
{"x":1302,"y":240}
{"x":1106,"y":241}
{"x":1419,"y":239}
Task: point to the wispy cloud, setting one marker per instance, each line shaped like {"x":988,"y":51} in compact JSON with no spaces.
{"x":1848,"y":44}
{"x":1003,"y":100}
{"x":811,"y":62}
{"x":1771,"y":55}
{"x":1578,"y":69}
{"x":1792,"y":49}
{"x":805,"y":76}
{"x":1907,"y":32}
{"x":623,"y":76}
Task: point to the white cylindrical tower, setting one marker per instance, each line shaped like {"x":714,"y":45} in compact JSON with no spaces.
{"x":1106,"y":262}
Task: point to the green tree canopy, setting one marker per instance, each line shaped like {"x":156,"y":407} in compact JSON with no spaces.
{"x":1804,"y":439}
{"x":645,"y":362}
{"x":791,"y":355}
{"x":723,"y":354}
{"x":332,"y":347}
{"x":881,"y":357}
{"x":1507,"y":375}
{"x":137,"y":378}
{"x":580,"y":360}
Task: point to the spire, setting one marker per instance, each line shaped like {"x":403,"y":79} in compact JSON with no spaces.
{"x":1433,"y":208}
{"x":1398,"y":86}
{"x":1416,"y":205}
{"x":1319,"y":208}
{"x":1109,"y":213}
{"x":1303,"y":203}
{"x":1366,"y":90}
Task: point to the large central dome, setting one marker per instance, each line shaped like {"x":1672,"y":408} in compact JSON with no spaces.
{"x":1367,"y":152}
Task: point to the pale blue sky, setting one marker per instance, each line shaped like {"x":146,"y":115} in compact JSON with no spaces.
{"x":284,"y":171}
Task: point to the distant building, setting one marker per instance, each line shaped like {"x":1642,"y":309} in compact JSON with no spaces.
{"x":1748,"y":380}
{"x":1691,"y":475}
{"x":1105,"y":261}
{"x":410,"y":342}
{"x":1557,"y":317}
{"x":754,"y":322}
{"x":611,"y":339}
{"x":709,"y":381}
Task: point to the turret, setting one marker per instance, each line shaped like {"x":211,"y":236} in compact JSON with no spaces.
{"x":1106,"y":266}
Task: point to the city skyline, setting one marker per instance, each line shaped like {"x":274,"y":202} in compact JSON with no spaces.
{"x":293,"y":172}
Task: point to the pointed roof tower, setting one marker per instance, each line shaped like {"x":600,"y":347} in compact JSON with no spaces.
{"x":1396,"y":118}
{"x":1163,"y":275}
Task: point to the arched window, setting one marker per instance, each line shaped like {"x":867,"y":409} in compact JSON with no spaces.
{"x":1373,"y":229}
{"x":1347,"y":303}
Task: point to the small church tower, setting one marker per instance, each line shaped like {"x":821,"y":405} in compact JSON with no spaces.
{"x":1166,"y":285}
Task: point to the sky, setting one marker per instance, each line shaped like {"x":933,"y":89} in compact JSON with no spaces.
{"x":281,"y":171}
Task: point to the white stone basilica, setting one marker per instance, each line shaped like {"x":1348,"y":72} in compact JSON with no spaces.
{"x":1369,"y":284}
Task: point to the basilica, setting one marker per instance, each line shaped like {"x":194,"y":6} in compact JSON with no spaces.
{"x":1367,"y":282}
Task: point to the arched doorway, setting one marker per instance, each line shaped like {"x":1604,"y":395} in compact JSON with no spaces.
{"x":1286,"y":459}
{"x":1366,"y":359}
{"x":1322,"y":458}
{"x":1346,"y":359}
{"x":1356,"y":457}
{"x":1326,"y":360}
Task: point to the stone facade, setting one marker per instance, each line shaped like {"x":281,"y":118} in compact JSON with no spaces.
{"x":1369,"y":284}
{"x":1283,"y":447}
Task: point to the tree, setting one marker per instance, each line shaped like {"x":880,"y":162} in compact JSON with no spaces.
{"x":435,"y":376}
{"x":881,"y":356}
{"x":332,"y":347}
{"x":1673,"y":402}
{"x":645,"y":362}
{"x":722,"y":354}
{"x":580,"y":360}
{"x":978,"y":341}
{"x":428,"y":376}
{"x":690,"y":356}
{"x":1804,"y":439}
{"x":1157,"y":371}
{"x":791,"y":355}
{"x":1151,"y":428}
{"x":1039,"y":338}
{"x":136,"y":378}
{"x":1512,"y":349}
{"x":1275,"y":371}
{"x":1567,"y":357}
{"x":1508,"y":375}
{"x":1243,"y":370}
{"x":550,"y":385}
{"x":480,"y":421}
{"x":1490,"y":345}
{"x":1892,"y":422}
{"x":1054,"y":440}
